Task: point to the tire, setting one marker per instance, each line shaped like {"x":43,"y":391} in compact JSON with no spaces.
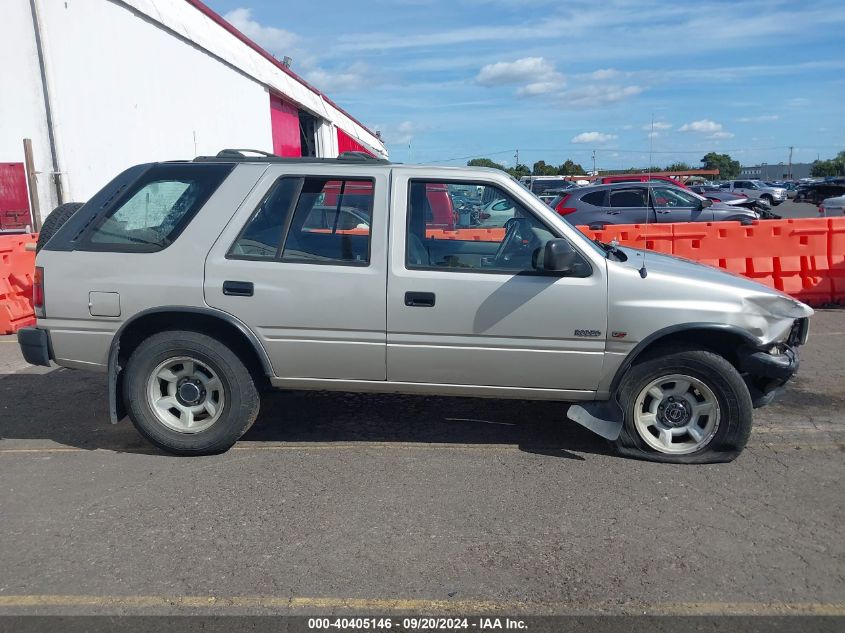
{"x":227,"y":407}
{"x":730,"y":416}
{"x":54,"y":222}
{"x":768,"y":199}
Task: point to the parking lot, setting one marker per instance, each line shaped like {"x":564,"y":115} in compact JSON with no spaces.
{"x":350,"y":503}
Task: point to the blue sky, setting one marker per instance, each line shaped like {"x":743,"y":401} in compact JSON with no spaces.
{"x":557,"y":80}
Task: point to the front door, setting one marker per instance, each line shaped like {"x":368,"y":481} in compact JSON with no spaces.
{"x":675,"y":205}
{"x":628,"y":205}
{"x":303,"y":264}
{"x":468,"y":306}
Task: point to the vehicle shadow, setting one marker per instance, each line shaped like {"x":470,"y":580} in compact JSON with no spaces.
{"x":69,"y":408}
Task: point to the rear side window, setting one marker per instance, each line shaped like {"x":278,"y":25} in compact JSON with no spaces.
{"x":311,"y":220}
{"x":152,"y":213}
{"x":596,"y":198}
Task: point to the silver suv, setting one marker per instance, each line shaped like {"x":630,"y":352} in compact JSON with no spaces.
{"x":756,"y":190}
{"x":192,"y":285}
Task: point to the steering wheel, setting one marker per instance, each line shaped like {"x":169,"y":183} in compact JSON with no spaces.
{"x":513,"y":237}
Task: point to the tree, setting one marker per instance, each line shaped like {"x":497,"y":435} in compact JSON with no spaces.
{"x":484,"y":162}
{"x":519,"y":171}
{"x":541,"y":169}
{"x":677,"y":167}
{"x":728,"y":168}
{"x":569,"y":168}
{"x":832,"y":167}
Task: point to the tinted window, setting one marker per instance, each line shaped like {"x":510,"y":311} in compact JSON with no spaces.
{"x":596,"y":198}
{"x":499,"y":236}
{"x":635,"y":197}
{"x":262,"y":236}
{"x":331,"y":222}
{"x":157,"y":207}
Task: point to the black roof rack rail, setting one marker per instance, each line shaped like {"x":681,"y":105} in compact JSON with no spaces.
{"x":240,"y":155}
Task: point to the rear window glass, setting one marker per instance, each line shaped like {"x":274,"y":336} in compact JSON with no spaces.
{"x":596,"y":198}
{"x":157,"y":207}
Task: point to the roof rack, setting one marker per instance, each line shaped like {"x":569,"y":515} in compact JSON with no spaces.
{"x":241,"y":155}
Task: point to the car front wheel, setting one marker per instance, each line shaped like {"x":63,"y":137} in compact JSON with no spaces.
{"x":684,"y":406}
{"x":189,"y":394}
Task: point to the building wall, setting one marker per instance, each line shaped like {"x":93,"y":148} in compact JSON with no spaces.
{"x":21,"y":100}
{"x":776,"y":172}
{"x":134,"y":92}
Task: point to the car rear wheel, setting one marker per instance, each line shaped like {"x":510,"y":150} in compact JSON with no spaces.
{"x":684,"y":406}
{"x":189,"y":394}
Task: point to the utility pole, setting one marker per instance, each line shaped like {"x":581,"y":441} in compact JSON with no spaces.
{"x":516,"y":159}
{"x":594,"y":164}
{"x":789,"y":169}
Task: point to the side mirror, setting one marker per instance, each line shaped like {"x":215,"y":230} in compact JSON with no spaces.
{"x":558,"y":256}
{"x":707,"y":202}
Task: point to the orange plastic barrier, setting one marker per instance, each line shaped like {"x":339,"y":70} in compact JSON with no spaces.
{"x":496,"y":234}
{"x":803,"y":257}
{"x":17,"y":267}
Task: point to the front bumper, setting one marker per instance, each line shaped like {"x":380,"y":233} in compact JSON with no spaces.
{"x":35,"y":346}
{"x":766,"y":373}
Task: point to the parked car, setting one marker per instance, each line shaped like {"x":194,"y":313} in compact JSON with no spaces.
{"x":816,"y":192}
{"x":712,"y":192}
{"x":539,"y":184}
{"x":193,"y":285}
{"x":833,"y":206}
{"x":756,"y":189}
{"x":635,"y":202}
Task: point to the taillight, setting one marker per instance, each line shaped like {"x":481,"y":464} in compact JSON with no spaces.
{"x":38,"y":292}
{"x":561,"y":207}
{"x":821,"y":209}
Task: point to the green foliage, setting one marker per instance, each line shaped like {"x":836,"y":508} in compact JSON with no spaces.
{"x":677,"y":167}
{"x":832,"y":167}
{"x":569,"y":168}
{"x":728,"y":168}
{"x":484,"y":162}
{"x":519,"y":171}
{"x":541,"y":169}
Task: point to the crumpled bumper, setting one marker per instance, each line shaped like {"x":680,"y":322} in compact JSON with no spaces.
{"x":766,"y":373}
{"x":35,"y":346}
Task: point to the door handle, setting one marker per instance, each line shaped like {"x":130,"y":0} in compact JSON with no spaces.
{"x":419,"y":299}
{"x":238,"y":288}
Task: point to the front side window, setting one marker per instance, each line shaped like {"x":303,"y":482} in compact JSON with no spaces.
{"x":311,"y":220}
{"x":157,"y":207}
{"x":671,"y":197}
{"x":499,"y":235}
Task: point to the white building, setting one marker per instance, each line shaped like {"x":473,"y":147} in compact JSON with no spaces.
{"x":99,"y":85}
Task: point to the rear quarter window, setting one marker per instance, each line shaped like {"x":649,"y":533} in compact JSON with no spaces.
{"x":596,"y":198}
{"x":156,"y":208}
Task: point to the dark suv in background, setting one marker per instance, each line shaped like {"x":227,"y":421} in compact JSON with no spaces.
{"x":635,"y":202}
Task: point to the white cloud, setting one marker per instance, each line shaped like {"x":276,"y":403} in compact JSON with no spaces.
{"x":604,"y":73}
{"x":653,"y":134}
{"x":704,"y":126}
{"x":353,"y":77}
{"x":592,"y":137}
{"x":540,"y":88}
{"x":759,"y":119}
{"x":720,"y":135}
{"x":592,"y":95}
{"x":528,"y":70}
{"x":658,"y":125}
{"x":278,"y":41}
{"x":397,"y":134}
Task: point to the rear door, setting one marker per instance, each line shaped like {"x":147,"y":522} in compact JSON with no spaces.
{"x":628,"y":205}
{"x":303,"y":264}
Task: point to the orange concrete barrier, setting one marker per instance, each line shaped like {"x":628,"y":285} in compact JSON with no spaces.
{"x":495,"y":234}
{"x":803,"y":257}
{"x":17,"y":267}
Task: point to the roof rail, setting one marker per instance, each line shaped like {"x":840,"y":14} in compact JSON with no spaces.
{"x":240,"y":155}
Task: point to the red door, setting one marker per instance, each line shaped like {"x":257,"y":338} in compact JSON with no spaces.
{"x":14,"y":201}
{"x":284,"y":121}
{"x":346,"y":143}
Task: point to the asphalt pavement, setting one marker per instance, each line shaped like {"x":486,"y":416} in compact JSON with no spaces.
{"x":338,"y":503}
